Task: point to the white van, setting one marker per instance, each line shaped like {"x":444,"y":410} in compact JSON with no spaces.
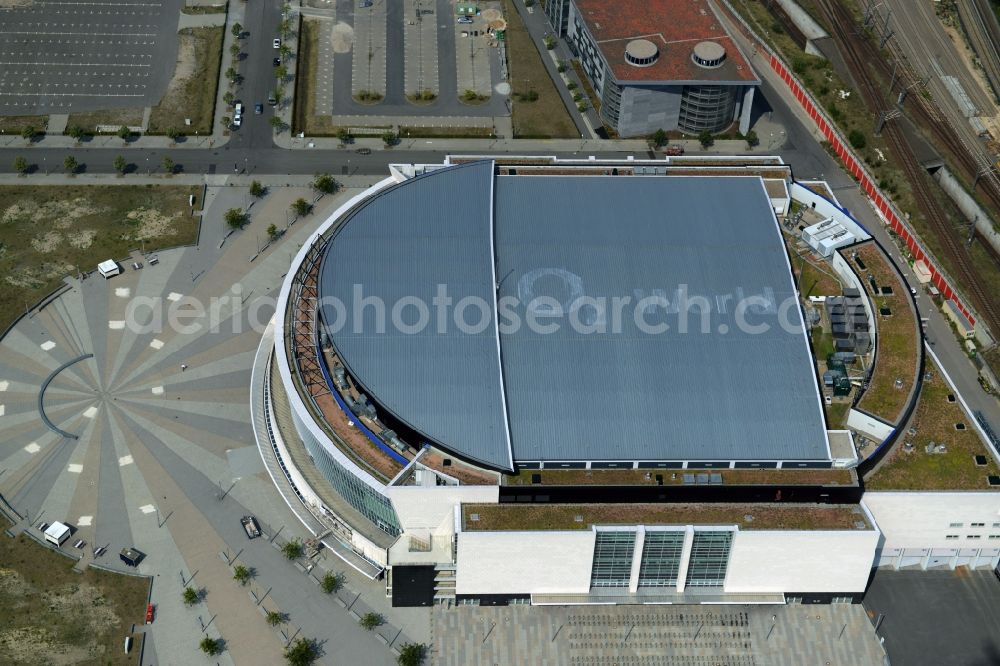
{"x":109,"y":268}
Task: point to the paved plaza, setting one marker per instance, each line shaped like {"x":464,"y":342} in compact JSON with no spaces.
{"x":160,"y":453}
{"x":796,"y":635}
{"x":57,"y":55}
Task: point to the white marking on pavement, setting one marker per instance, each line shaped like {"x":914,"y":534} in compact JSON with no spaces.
{"x":116,"y":325}
{"x":33,"y":448}
{"x":90,"y":412}
{"x":147,"y":508}
{"x":123,"y":292}
{"x":3,"y":409}
{"x":174,"y":296}
{"x":157,"y":390}
{"x":85,"y":521}
{"x":156,"y":343}
{"x":124,"y":460}
{"x":74,"y":468}
{"x":47,"y":345}
{"x":4,"y":385}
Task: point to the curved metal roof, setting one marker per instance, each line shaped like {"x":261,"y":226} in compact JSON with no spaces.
{"x":516,"y":393}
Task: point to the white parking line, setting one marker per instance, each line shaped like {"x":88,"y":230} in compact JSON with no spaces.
{"x":157,"y":390}
{"x":4,"y":385}
{"x":174,"y":296}
{"x":90,"y":412}
{"x":85,"y":521}
{"x":79,"y":34}
{"x":156,"y":343}
{"x":76,"y":64}
{"x":147,"y":508}
{"x":123,"y":292}
{"x":33,"y":448}
{"x":116,"y":325}
{"x":125,"y":460}
{"x":47,"y":345}
{"x":48,"y":94}
{"x":3,"y":409}
{"x":74,"y":468}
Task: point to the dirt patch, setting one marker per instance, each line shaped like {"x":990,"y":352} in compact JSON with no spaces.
{"x":342,"y":38}
{"x":15,"y":4}
{"x":51,"y":615}
{"x":130,"y":117}
{"x":191,"y":91}
{"x":83,"y":238}
{"x":47,"y":242}
{"x":151,"y":223}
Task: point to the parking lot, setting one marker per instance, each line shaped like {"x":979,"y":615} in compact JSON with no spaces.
{"x":938,"y":617}
{"x":57,"y":56}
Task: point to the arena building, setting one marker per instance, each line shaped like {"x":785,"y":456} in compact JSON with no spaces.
{"x":658,"y":64}
{"x":546,"y":381}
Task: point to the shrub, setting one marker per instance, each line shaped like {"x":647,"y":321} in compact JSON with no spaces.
{"x":857,"y":139}
{"x":331,"y":582}
{"x":370,"y":620}
{"x":706,"y":139}
{"x":190,"y":596}
{"x":211,"y":646}
{"x":302,"y":652}
{"x":411,"y":654}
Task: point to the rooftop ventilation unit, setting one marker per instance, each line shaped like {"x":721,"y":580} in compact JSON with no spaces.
{"x":709,"y":54}
{"x":641,"y":53}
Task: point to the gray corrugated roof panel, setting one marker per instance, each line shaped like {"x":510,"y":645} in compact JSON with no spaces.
{"x":727,"y":395}
{"x":434,"y":229}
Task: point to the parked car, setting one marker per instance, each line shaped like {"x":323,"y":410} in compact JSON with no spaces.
{"x":364,"y":151}
{"x":239,"y":108}
{"x":674,"y":150}
{"x":465,"y":19}
{"x":276,"y":43}
{"x":258,"y":108}
{"x":238,"y":120}
{"x":276,"y":62}
{"x":272,"y":99}
{"x":250,"y":526}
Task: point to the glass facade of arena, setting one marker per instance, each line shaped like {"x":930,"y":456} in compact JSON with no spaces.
{"x":709,"y":558}
{"x":661,"y":558}
{"x":707,"y":108}
{"x":372,"y":504}
{"x":612,"y":559}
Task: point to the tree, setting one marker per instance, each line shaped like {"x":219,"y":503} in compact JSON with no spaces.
{"x":272,"y":231}
{"x":411,"y":654}
{"x":120,"y":164}
{"x":751,"y":139}
{"x":302,"y":652}
{"x":70,"y":164}
{"x":292,"y":550}
{"x":21,"y":165}
{"x":389,"y":138}
{"x":29,"y":132}
{"x":237,"y":30}
{"x":242,"y":574}
{"x":225,"y":121}
{"x":234,"y":49}
{"x":211,"y":646}
{"x":285,"y":51}
{"x":279,"y":95}
{"x":235,"y":218}
{"x":231,"y":74}
{"x":343,"y":135}
{"x":229,"y":98}
{"x":168,"y":165}
{"x":257,"y":190}
{"x":658,"y":139}
{"x":277,"y":123}
{"x":370,"y":620}
{"x":174,"y":133}
{"x":76,"y":132}
{"x":281,"y":72}
{"x":190,"y":596}
{"x":331,"y":582}
{"x":300,"y":207}
{"x":285,"y":27}
{"x":857,"y":139}
{"x":706,"y":139}
{"x":124,"y":132}
{"x":274,"y":618}
{"x":324,"y":183}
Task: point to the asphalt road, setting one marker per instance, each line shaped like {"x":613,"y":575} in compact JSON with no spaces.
{"x":261,"y":22}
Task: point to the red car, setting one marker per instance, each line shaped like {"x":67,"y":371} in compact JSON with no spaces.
{"x":149,"y":613}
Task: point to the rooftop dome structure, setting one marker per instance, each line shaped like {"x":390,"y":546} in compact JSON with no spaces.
{"x":641,"y":52}
{"x":709,"y":54}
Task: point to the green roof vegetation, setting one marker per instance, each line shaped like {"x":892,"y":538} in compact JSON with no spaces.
{"x":934,"y":421}
{"x":507,"y":517}
{"x":897,"y":337}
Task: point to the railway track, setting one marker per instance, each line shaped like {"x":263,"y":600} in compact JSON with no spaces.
{"x":859,"y":54}
{"x":984,"y":33}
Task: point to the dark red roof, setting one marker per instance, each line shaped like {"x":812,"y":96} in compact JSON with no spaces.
{"x":675,"y":26}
